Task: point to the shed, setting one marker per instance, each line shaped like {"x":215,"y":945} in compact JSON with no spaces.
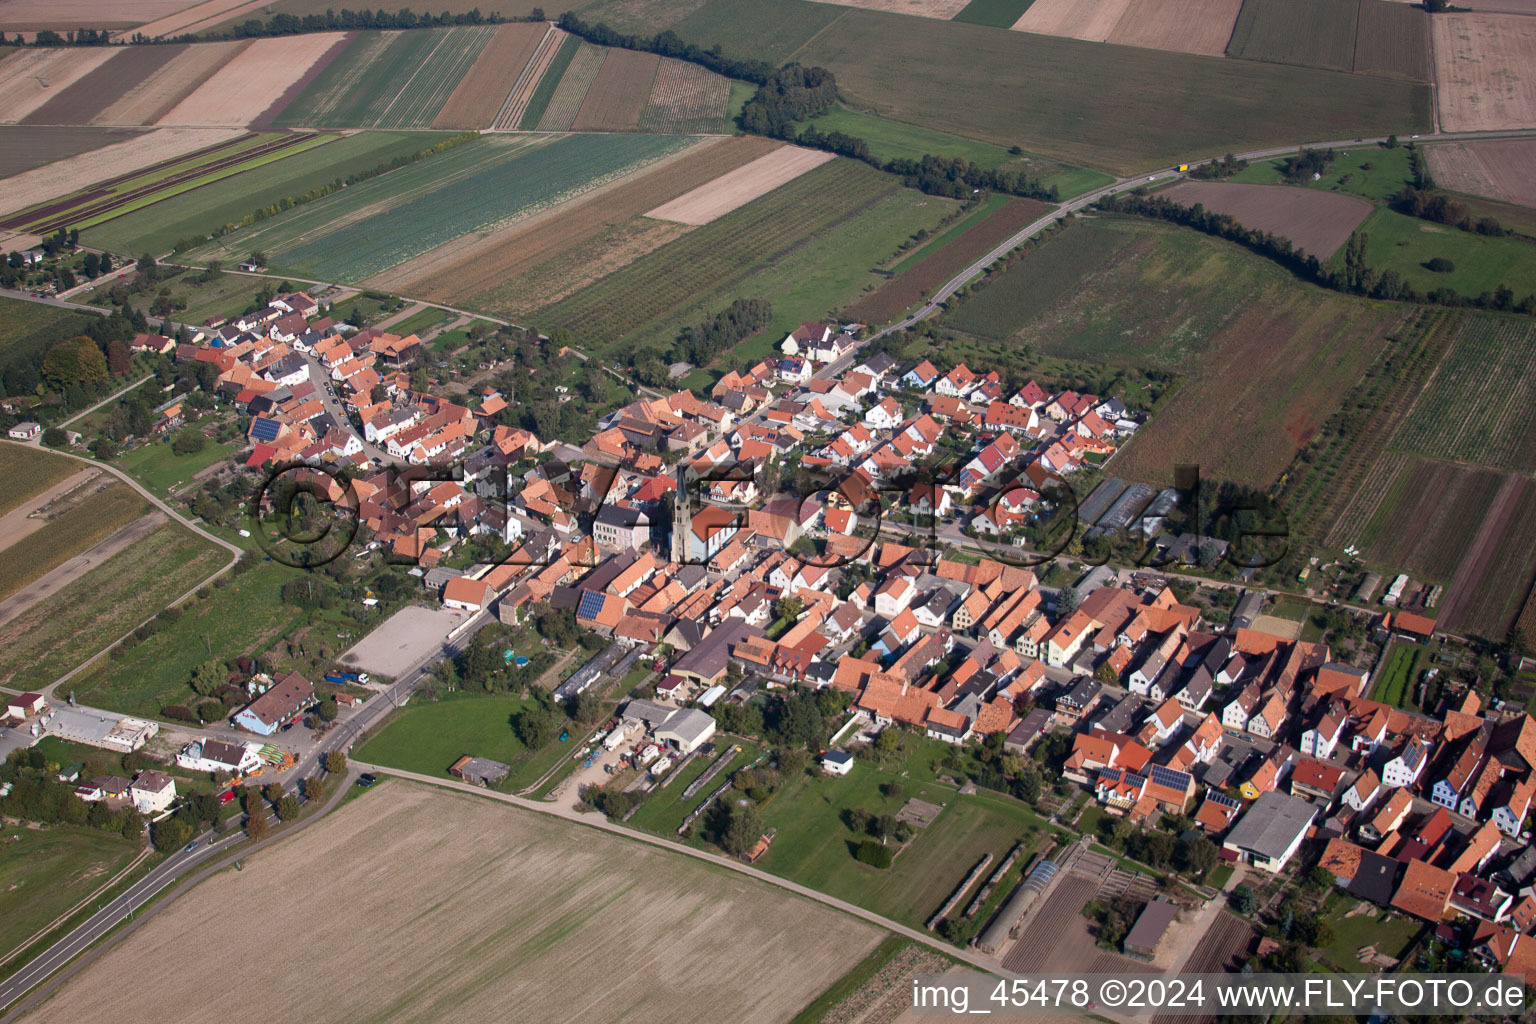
{"x":1149,"y":929}
{"x":479,"y":770}
{"x":837,"y":762}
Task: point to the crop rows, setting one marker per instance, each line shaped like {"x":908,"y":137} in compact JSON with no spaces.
{"x":427,"y":89}
{"x":571,"y":91}
{"x":686,"y":98}
{"x":1476,"y":408}
{"x":1313,"y":33}
{"x":1497,"y":598}
{"x":1430,"y":518}
{"x":724,"y":251}
{"x":319,"y":103}
{"x":545,"y":176}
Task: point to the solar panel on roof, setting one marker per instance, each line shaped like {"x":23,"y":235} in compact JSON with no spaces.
{"x":265,"y":429}
{"x":1222,"y":800}
{"x":590,"y":605}
{"x":1168,"y":777}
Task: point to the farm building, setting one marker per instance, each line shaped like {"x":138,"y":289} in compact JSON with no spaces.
{"x":1098,"y":502}
{"x":218,"y":756}
{"x":1007,"y":920}
{"x":100,"y":729}
{"x":281,"y":704}
{"x":26,"y":431}
{"x":1150,"y":928}
{"x":479,"y":770}
{"x":1124,"y":511}
{"x":1272,"y":830}
{"x":837,"y":762}
{"x":687,"y":729}
{"x":466,"y":595}
{"x":25,"y":704}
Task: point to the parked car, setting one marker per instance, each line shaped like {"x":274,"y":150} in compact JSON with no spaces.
{"x":367,"y":779}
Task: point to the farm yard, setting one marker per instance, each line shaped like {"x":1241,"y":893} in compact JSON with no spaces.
{"x":1495,"y":168}
{"x":521,"y":268}
{"x":1479,"y":65}
{"x":1189,"y":26}
{"x":1114,"y":108}
{"x":736,"y":188}
{"x":390,"y":79}
{"x":1317,"y":222}
{"x":805,"y":247}
{"x":31,"y":79}
{"x":544,"y":896}
{"x":214,"y":204}
{"x":246,"y":88}
{"x":507,"y":176}
{"x":1264,"y":361}
{"x":482,"y":91}
{"x":139,"y":189}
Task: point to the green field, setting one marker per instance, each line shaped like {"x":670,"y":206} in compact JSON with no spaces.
{"x":161,"y":470}
{"x":1116,"y":108}
{"x":383,"y":222}
{"x":417,"y":323}
{"x":39,"y":469}
{"x":228,"y":201}
{"x":997,"y":13}
{"x":1262,"y":359}
{"x":98,"y":205}
{"x":389,"y":80}
{"x":549,"y":81}
{"x":75,"y":622}
{"x":890,"y":139}
{"x":807,"y":247}
{"x":1371,"y":37}
{"x":1406,"y":244}
{"x":664,"y":812}
{"x":45,"y":873}
{"x":83,"y":526}
{"x":983,"y":210}
{"x":1395,"y":680}
{"x":244,"y":618}
{"x":226,"y":295}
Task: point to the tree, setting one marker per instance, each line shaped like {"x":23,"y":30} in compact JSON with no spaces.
{"x":1244,"y":900}
{"x":188,"y":442}
{"x":743,"y":830}
{"x":874,"y":854}
{"x":534,"y":725}
{"x":74,"y":361}
{"x":273,"y":791}
{"x":1197,"y":855}
{"x":792,"y":762}
{"x":1440,"y":265}
{"x":314,"y":788}
{"x":328,"y":709}
{"x":335,"y":762}
{"x":587,"y":708}
{"x":54,"y":437}
{"x":288,"y":808}
{"x":208,"y":677}
{"x":170,"y":834}
{"x":257,"y":825}
{"x":119,"y":359}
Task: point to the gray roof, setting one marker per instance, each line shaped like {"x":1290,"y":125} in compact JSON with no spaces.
{"x":1150,"y":927}
{"x":648,"y":711}
{"x":710,"y":657}
{"x":1272,"y":824}
{"x":687,"y":725}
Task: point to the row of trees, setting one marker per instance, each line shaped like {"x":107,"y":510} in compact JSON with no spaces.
{"x":669,"y":44}
{"x":700,"y":343}
{"x":345,"y":20}
{"x":73,"y":37}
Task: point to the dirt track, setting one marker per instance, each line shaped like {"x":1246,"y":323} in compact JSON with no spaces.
{"x":57,"y":579}
{"x":17,"y":523}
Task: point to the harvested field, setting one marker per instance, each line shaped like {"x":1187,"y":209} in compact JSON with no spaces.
{"x":1318,"y":222}
{"x":538,"y":891}
{"x":23,"y":76}
{"x":1392,"y":39}
{"x":28,"y":148}
{"x":1498,"y":169}
{"x":686,"y":98}
{"x":481,"y":93}
{"x":1076,"y":19}
{"x":316,"y":69}
{"x":1494,"y":578}
{"x":1483,"y":71}
{"x":31,"y":15}
{"x":248,"y":85}
{"x":532,"y":263}
{"x":941,"y":9}
{"x":1187,"y":26}
{"x":187,"y":68}
{"x":619,"y":92}
{"x":323,"y":98}
{"x":916,"y":283}
{"x":570,"y":74}
{"x":83,"y":101}
{"x":739,"y":187}
{"x":203,"y":16}
{"x":70,"y":175}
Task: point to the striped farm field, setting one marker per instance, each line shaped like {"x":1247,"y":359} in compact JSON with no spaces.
{"x":1188,"y":26}
{"x":619,"y":92}
{"x":565,"y":82}
{"x":530,"y":94}
{"x":510,"y":178}
{"x":390,"y":79}
{"x":211,"y":206}
{"x":32,"y":78}
{"x":805,"y":246}
{"x":185,"y":68}
{"x":84,"y":101}
{"x":739,"y":187}
{"x":1375,"y":37}
{"x":686,"y":98}
{"x":481,"y":92}
{"x":1427,"y":520}
{"x":245,"y":89}
{"x":26,"y":148}
{"x":540,"y":260}
{"x":140,"y":189}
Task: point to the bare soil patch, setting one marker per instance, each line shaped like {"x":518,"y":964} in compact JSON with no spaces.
{"x":30,"y":15}
{"x":19,"y":521}
{"x":1498,"y":168}
{"x":66,"y":176}
{"x":154,"y":97}
{"x":197,"y":17}
{"x":1483,"y":71}
{"x":1316,"y":221}
{"x":81,"y":102}
{"x":246,"y":87}
{"x":1469,"y":580}
{"x":618,"y":94}
{"x":739,"y":187}
{"x":466,"y":909}
{"x":481,"y":93}
{"x":1186,"y":26}
{"x":941,"y":9}
{"x":26,"y":148}
{"x":499,"y":266}
{"x":32,"y":78}
{"x":1077,"y":19}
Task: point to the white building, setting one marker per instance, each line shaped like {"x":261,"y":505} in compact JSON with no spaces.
{"x":219,"y":757}
{"x":152,"y":792}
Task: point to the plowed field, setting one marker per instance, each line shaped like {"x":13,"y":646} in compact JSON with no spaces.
{"x":246,"y":87}
{"x":1316,"y":221}
{"x":480,"y":95}
{"x":155,"y":96}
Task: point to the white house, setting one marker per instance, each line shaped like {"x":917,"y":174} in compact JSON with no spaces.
{"x":1272,"y":830}
{"x":26,"y":431}
{"x":1408,"y":765}
{"x":1320,"y":740}
{"x":218,"y":756}
{"x":884,"y":415}
{"x":152,"y":792}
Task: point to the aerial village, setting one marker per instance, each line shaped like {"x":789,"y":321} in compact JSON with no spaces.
{"x":677,"y":531}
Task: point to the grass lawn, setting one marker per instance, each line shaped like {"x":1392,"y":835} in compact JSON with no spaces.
{"x":1088,"y":821}
{"x":1389,"y":933}
{"x":69,"y":626}
{"x":46,"y":872}
{"x":157,"y":467}
{"x":29,"y":471}
{"x":244,"y":618}
{"x":1373,"y":172}
{"x":1406,"y":244}
{"x":889,"y":139}
{"x":423,"y":321}
{"x":1218,"y":876}
{"x":360,"y":309}
{"x":664,"y":812}
{"x":1395,"y":683}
